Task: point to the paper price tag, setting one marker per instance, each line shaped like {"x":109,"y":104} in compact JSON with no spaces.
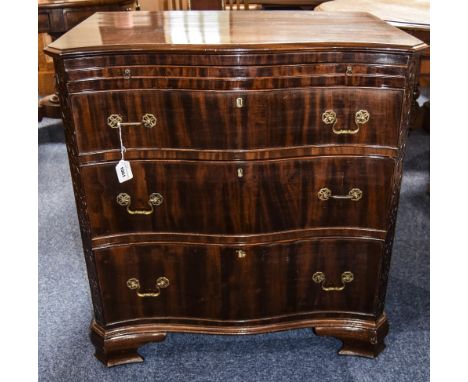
{"x":124,"y":171}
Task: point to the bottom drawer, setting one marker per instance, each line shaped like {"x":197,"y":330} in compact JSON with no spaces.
{"x":189,"y":282}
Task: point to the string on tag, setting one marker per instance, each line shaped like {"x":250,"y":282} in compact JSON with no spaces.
{"x":122,"y":147}
{"x":123,"y":168}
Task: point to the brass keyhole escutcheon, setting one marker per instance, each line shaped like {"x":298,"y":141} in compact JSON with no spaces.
{"x":127,"y":74}
{"x":241,"y":253}
{"x":240,"y":172}
{"x":349,"y":70}
{"x":239,"y":102}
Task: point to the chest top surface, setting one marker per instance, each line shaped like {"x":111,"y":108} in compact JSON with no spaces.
{"x":220,"y":30}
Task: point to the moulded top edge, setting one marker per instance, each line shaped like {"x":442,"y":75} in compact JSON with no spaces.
{"x":221,"y":31}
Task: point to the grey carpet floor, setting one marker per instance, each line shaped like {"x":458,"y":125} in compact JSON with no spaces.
{"x":66,"y":354}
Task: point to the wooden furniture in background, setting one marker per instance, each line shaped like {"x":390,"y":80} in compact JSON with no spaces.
{"x":55,"y":17}
{"x":288,"y":4}
{"x":412,"y":16}
{"x":46,"y":82}
{"x":252,"y":4}
{"x":163,"y":5}
{"x":200,"y":5}
{"x":266,"y":151}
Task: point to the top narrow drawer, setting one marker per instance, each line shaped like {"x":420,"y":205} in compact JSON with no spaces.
{"x":355,"y":56}
{"x":235,"y":77}
{"x":237,"y":120}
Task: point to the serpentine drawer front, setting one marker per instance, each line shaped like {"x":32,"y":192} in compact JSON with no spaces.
{"x":126,"y":68}
{"x":237,"y":119}
{"x":240,"y":197}
{"x":236,"y":172}
{"x":224,"y":289}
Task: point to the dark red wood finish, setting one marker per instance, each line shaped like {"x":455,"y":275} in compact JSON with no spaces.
{"x":219,"y":293}
{"x":240,"y":231}
{"x":195,"y":119}
{"x":210,"y":197}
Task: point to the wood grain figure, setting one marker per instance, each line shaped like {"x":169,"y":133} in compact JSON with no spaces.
{"x":266,"y":160}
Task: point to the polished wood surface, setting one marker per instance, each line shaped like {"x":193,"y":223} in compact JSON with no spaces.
{"x":404,"y":14}
{"x":194,"y":119}
{"x":242,"y":156}
{"x":146,"y":31}
{"x":258,"y":202}
{"x":228,"y":289}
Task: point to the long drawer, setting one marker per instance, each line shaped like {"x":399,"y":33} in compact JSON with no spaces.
{"x":133,"y":72}
{"x":239,"y":197}
{"x":230,"y":120}
{"x":158,"y":280}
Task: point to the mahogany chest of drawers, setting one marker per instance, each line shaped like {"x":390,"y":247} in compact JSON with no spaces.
{"x":266,"y":150}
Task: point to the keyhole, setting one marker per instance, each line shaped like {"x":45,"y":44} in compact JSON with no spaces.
{"x":240,"y":172}
{"x":241,"y":253}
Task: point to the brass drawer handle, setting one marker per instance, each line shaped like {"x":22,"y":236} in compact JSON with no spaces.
{"x":354,"y":194}
{"x":319,"y":278}
{"x":125,"y":200}
{"x":148,"y":120}
{"x":361,"y":117}
{"x":161,"y":282}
